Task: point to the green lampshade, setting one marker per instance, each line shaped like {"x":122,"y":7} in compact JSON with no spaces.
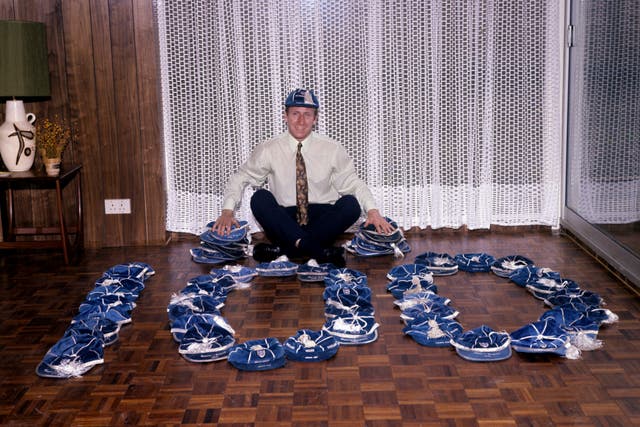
{"x":24,"y":66}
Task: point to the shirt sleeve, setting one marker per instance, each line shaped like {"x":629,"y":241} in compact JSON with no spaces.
{"x":253,"y":171}
{"x":346,"y":181}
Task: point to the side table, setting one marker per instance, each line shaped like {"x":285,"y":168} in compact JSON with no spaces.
{"x":38,"y":179}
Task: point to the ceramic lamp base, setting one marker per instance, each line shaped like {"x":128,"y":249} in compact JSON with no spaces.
{"x":17,"y":138}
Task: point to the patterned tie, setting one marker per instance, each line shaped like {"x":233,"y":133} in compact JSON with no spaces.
{"x":302,"y":198}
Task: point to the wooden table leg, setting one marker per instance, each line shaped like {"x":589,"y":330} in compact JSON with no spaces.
{"x":63,"y":229}
{"x":80,"y":225}
{"x":10,"y":237}
{"x":4,"y":213}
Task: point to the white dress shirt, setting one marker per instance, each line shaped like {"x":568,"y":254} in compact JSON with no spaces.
{"x":330,"y":172}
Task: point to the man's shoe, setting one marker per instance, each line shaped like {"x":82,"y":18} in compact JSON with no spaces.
{"x":333,"y":255}
{"x":266,"y":252}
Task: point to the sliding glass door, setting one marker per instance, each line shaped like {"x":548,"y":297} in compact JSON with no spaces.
{"x":602,"y":191}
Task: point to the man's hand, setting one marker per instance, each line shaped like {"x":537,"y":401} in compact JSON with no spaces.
{"x":374,"y":218}
{"x":225,"y":221}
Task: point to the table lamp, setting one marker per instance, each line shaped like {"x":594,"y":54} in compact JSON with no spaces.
{"x":24,"y":72}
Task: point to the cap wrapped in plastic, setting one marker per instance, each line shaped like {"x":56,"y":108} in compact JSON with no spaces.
{"x":602,"y":316}
{"x":110,"y":306}
{"x":362,"y":247}
{"x":98,"y":326}
{"x":212,"y":282}
{"x":208,"y":338}
{"x":334,"y":308}
{"x":311,"y":271}
{"x":183,"y":323}
{"x":433,"y":331}
{"x":131,"y":283}
{"x":119,"y":314}
{"x":353,"y":329}
{"x":204,"y":255}
{"x":113,"y":289}
{"x":439,"y":264}
{"x":239,"y":273}
{"x":504,"y":266}
{"x":345,"y":276}
{"x":214,"y":289}
{"x":235,"y":250}
{"x":543,"y":288}
{"x":182,"y":305}
{"x":417,"y":312}
{"x":118,"y":301}
{"x":408,"y":271}
{"x":404,"y":286}
{"x":582,"y":330}
{"x":474,"y":262}
{"x":73,"y":355}
{"x":523,"y":276}
{"x":279,"y":267}
{"x":347,"y":294}
{"x":369,"y":233}
{"x":236,"y":234}
{"x":302,"y":98}
{"x":258,"y":355}
{"x":420,"y":299}
{"x":568,"y":296}
{"x":135,"y":270}
{"x":311,"y":346}
{"x":544,"y":336}
{"x":483,"y":344}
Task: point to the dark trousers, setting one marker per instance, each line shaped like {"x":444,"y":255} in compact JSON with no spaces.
{"x":326,"y":223}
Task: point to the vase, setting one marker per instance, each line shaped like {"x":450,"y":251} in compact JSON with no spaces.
{"x":18,"y":138}
{"x":52,"y":166}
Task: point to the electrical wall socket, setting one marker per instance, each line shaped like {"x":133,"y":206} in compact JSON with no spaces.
{"x":117,"y":206}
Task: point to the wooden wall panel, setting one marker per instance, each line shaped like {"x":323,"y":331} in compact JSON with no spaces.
{"x":103,"y":60}
{"x":148,"y":65}
{"x":6,"y":9}
{"x":82,"y":93}
{"x":109,"y":182}
{"x":127,"y":115}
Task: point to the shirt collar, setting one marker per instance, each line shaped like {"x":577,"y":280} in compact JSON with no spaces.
{"x":294,"y":142}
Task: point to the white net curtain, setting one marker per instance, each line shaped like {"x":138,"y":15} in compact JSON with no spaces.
{"x":450,"y":109}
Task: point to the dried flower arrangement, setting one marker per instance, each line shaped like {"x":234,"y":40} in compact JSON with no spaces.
{"x":53,"y":136}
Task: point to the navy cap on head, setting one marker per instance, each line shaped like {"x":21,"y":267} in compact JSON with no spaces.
{"x":302,"y":98}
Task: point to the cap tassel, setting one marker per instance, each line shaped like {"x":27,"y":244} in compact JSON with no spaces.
{"x":397,"y":253}
{"x":585,"y":343}
{"x":434,"y":329}
{"x":572,"y":352}
{"x":611,"y":317}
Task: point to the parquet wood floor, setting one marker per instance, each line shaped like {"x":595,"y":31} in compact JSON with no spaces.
{"x":391,"y":382}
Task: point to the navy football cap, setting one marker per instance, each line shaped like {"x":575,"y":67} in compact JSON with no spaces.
{"x":302,"y":98}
